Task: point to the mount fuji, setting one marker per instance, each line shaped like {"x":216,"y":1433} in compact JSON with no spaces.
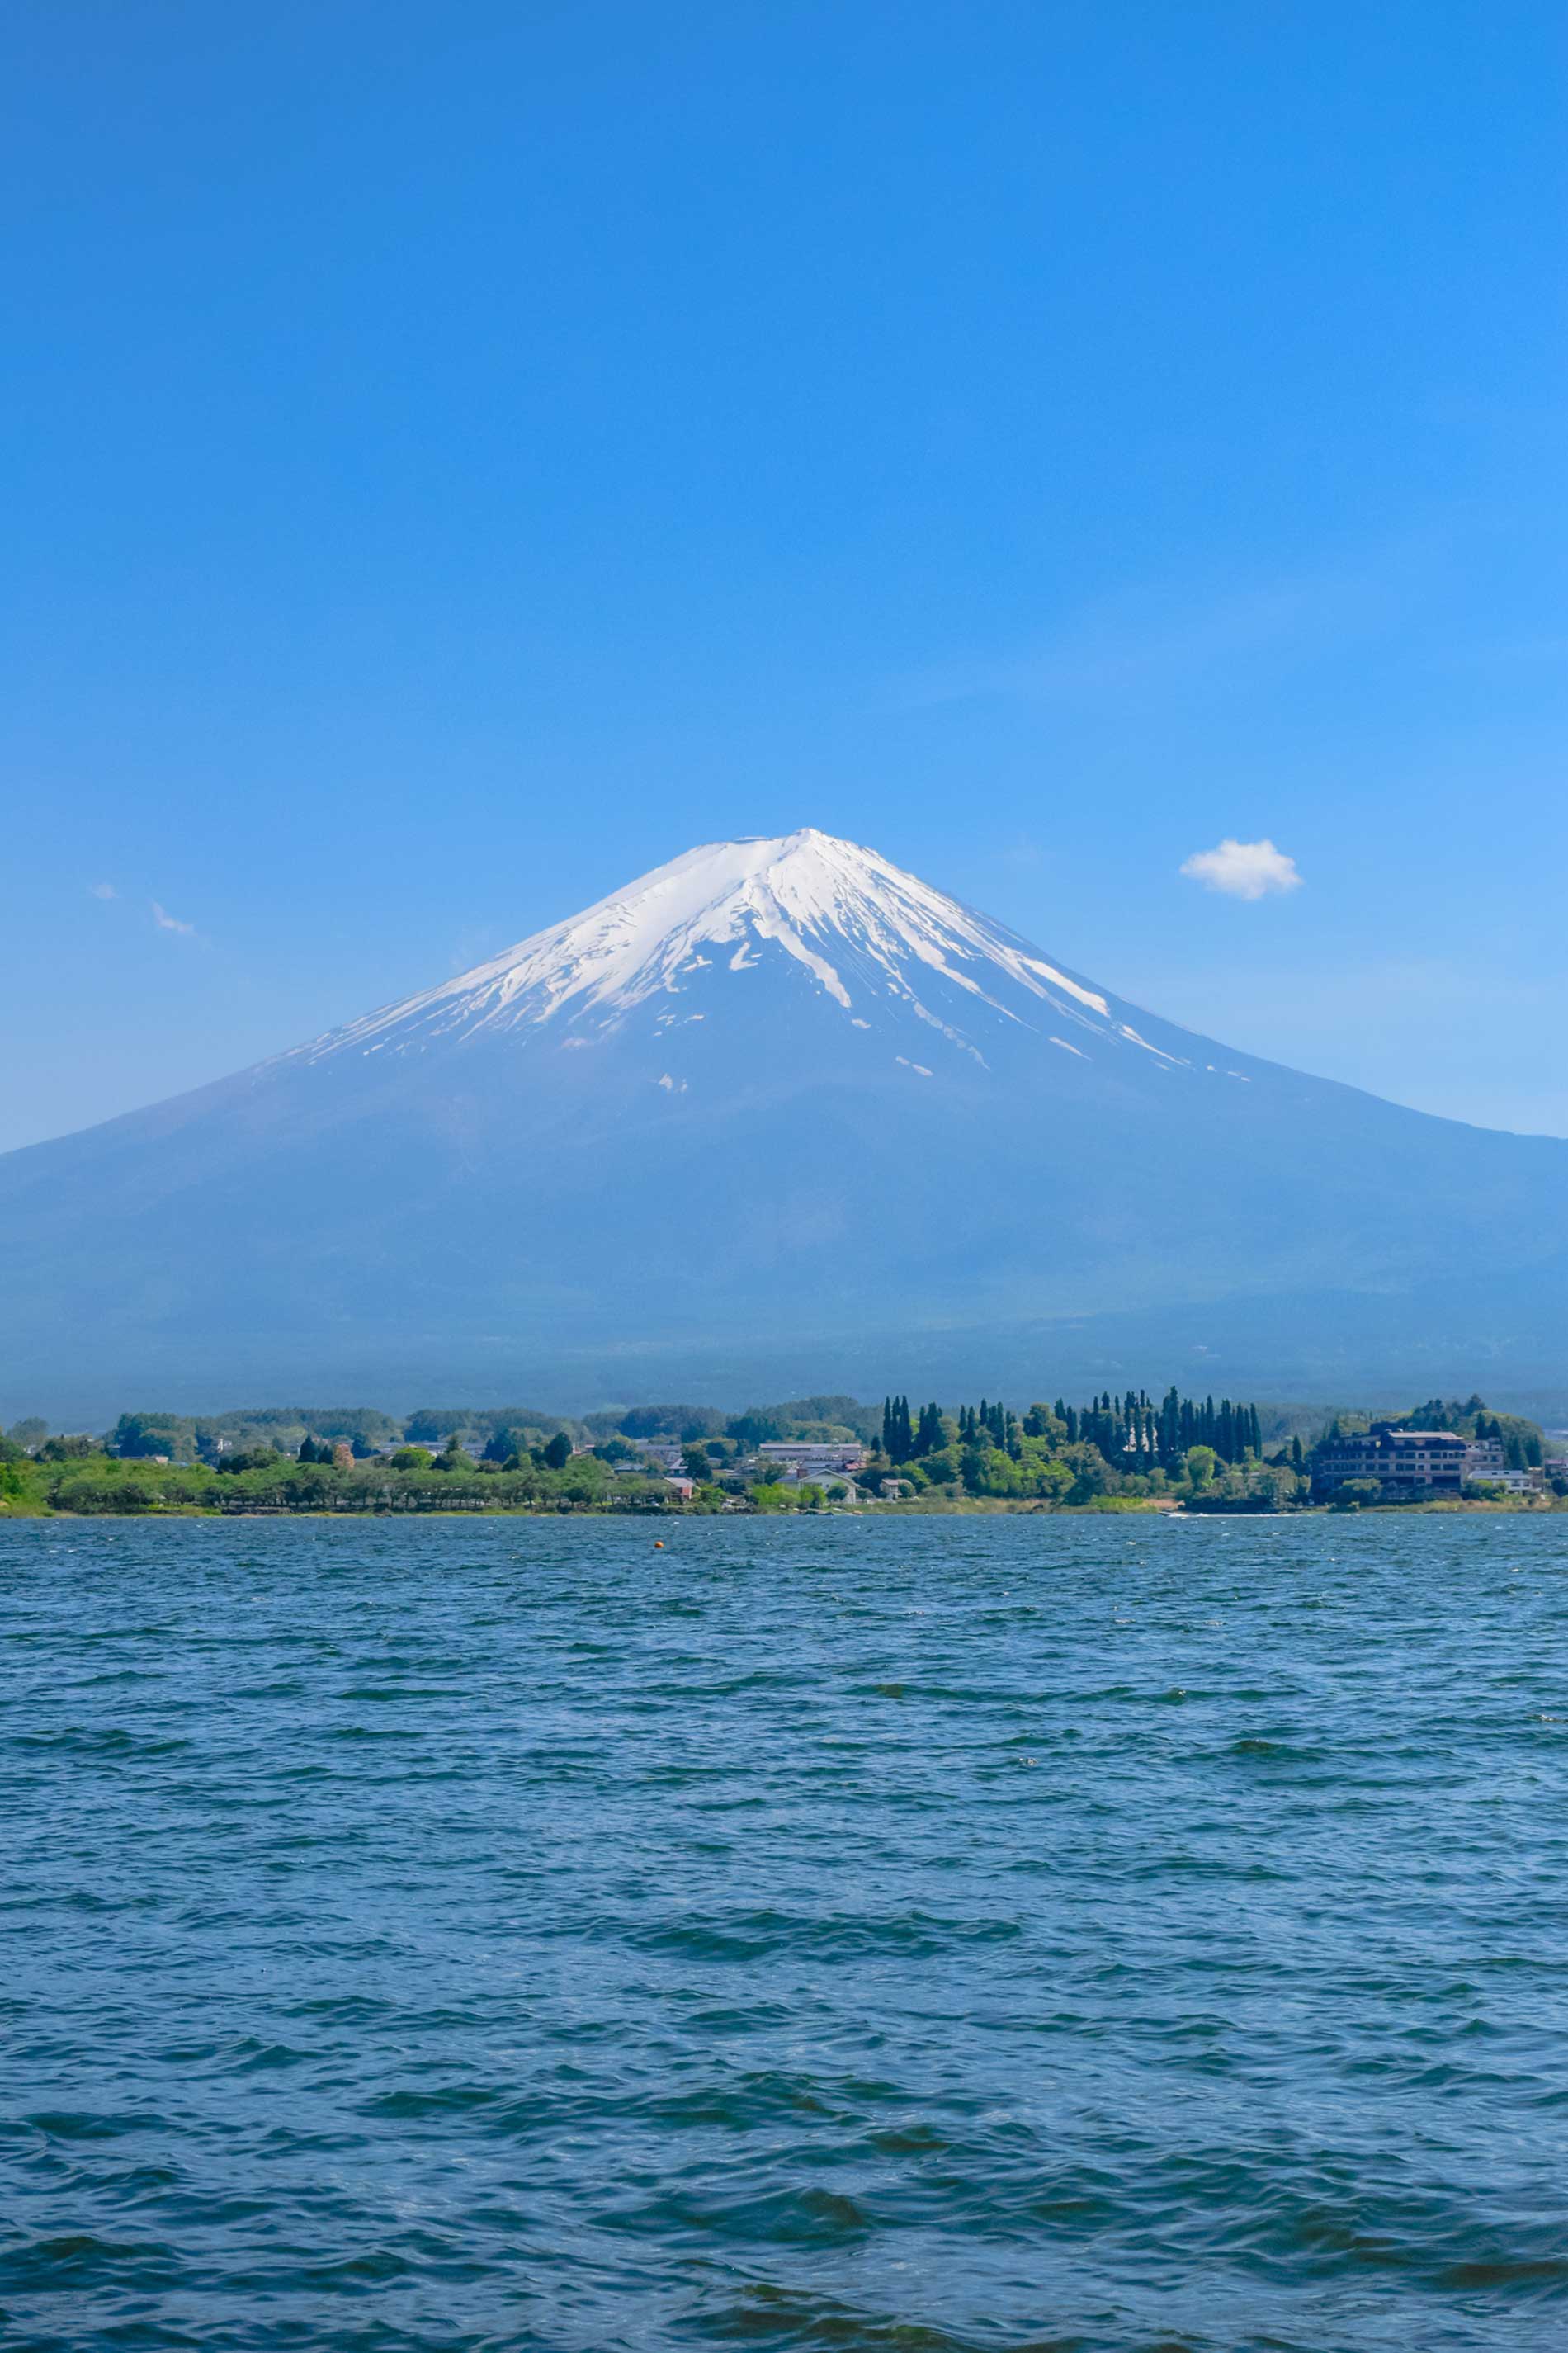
{"x":777,"y":1114}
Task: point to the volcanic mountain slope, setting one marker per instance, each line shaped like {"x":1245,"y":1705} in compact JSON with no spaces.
{"x":777,"y":1105}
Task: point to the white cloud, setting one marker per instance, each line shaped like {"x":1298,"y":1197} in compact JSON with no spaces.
{"x":167,"y":923}
{"x":103,"y":890}
{"x":1242,"y":870}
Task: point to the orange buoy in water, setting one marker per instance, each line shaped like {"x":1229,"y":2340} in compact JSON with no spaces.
{"x":659,"y":1544}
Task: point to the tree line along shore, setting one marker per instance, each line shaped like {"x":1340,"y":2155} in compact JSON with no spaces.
{"x":1127,"y":1452}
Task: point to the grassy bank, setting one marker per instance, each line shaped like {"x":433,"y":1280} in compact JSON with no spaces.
{"x":137,"y":1491}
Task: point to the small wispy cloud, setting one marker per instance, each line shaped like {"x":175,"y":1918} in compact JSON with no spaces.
{"x":167,"y":923}
{"x":103,"y":891}
{"x":1242,"y":870}
{"x":1023,"y":851}
{"x":476,"y":943}
{"x":1180,"y":638}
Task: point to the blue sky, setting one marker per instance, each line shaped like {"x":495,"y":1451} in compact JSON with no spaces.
{"x":457,"y":457}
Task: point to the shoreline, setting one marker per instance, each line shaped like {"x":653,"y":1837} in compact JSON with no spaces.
{"x":974,"y":1507}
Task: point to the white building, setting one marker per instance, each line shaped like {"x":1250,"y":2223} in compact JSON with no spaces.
{"x":807,"y":1460}
{"x":1416,"y":1461}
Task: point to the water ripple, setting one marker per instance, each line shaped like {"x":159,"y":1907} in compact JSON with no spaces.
{"x":966,"y":1936}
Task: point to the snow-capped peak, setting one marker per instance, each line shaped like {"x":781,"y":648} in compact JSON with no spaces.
{"x":855,"y":928}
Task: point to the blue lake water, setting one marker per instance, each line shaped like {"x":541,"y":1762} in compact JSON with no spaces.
{"x":925,"y":1935}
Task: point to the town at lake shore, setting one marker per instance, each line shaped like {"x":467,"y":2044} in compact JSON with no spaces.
{"x":1127,"y":1453}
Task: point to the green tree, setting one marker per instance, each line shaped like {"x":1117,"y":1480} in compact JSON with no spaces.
{"x":1090,"y":1472}
{"x":1200,"y":1461}
{"x":430,"y":1426}
{"x":558,"y":1453}
{"x":972,"y":1466}
{"x":752,"y":1430}
{"x":140,"y":1435}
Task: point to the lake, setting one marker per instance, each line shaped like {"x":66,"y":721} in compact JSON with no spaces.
{"x":922,"y":1935}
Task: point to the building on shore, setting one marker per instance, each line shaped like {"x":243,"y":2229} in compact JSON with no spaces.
{"x":1410,"y":1462}
{"x":807,"y":1458}
{"x":1531,"y":1480}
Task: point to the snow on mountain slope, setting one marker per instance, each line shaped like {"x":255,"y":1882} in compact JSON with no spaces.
{"x":858,"y":930}
{"x":814,"y":1100}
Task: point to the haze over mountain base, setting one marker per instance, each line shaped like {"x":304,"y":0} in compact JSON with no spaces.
{"x":1352,"y":1349}
{"x":778,"y":1117}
